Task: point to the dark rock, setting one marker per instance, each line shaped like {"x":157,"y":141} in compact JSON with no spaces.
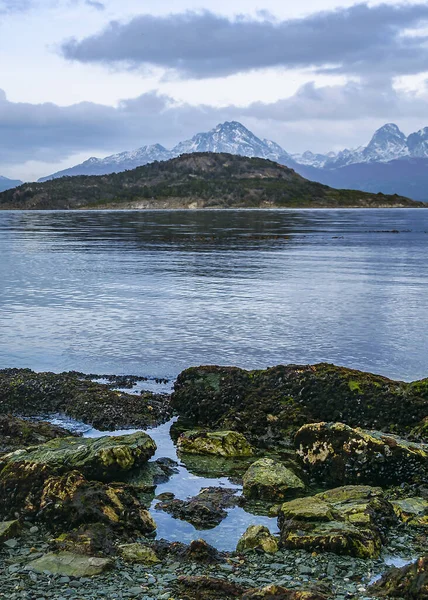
{"x":204,"y":511}
{"x":27,"y":393}
{"x":19,"y":433}
{"x":275,"y":592}
{"x":336,"y":454}
{"x":208,"y":588}
{"x":408,"y":583}
{"x":93,"y":539}
{"x":270,"y":405}
{"x":200,"y":551}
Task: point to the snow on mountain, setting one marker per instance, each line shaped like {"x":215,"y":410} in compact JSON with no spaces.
{"x":418,"y":143}
{"x":231,"y":137}
{"x":116,"y":162}
{"x":388,"y":143}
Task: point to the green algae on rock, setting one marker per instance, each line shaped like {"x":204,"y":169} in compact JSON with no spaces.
{"x":9,"y":529}
{"x":218,"y":443}
{"x":271,"y":480}
{"x":409,"y":582}
{"x":138,"y":553}
{"x":101,"y":458}
{"x":70,"y":565}
{"x":348,"y":520}
{"x":412,"y":511}
{"x":270,"y":405}
{"x":336,"y":454}
{"x":257,"y":537}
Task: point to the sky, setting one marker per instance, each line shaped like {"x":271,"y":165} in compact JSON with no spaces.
{"x":81,"y":78}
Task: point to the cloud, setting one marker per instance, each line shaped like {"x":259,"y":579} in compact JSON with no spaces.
{"x":10,"y":6}
{"x":49,"y":133}
{"x":95,"y":4}
{"x":352,"y":40}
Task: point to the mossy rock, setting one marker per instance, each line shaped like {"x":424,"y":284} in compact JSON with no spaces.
{"x":339,"y":537}
{"x":9,"y":529}
{"x":102,"y":458}
{"x":70,"y":500}
{"x":257,"y":537}
{"x":217,"y":443}
{"x":412,"y":511}
{"x":270,"y":480}
{"x":269,"y":406}
{"x":31,"y":394}
{"x":202,"y":587}
{"x":138,"y":553}
{"x":310,"y":508}
{"x":409,"y":582}
{"x":336,"y":454}
{"x":92,"y":539}
{"x":349,"y":520}
{"x":70,"y":565}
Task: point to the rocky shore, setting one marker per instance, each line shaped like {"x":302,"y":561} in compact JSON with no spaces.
{"x":337,"y":458}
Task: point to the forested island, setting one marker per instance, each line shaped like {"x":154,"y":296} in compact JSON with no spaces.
{"x":199,"y":180}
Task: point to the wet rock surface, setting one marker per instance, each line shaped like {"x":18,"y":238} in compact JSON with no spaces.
{"x":103,"y":458}
{"x":272,"y":404}
{"x":26,"y":393}
{"x":336,"y":454}
{"x":409,"y":582}
{"x":204,"y":511}
{"x":69,"y":510}
{"x":18,"y":433}
{"x":217,"y":443}
{"x":271,"y":480}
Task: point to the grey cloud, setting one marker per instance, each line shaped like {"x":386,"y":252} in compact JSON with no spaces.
{"x":9,"y":6}
{"x":95,"y":4}
{"x":48,"y":133}
{"x":352,"y":40}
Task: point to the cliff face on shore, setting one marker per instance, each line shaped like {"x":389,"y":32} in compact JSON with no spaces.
{"x":201,"y":180}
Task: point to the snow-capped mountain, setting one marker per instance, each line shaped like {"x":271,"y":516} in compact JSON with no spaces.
{"x":7,"y":184}
{"x":388,"y":143}
{"x":231,"y":137}
{"x":116,"y":162}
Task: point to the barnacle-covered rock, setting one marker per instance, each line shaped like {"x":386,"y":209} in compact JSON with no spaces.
{"x":336,"y":454}
{"x":218,"y":443}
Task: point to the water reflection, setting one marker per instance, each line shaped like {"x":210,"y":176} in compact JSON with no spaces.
{"x":155,"y":292}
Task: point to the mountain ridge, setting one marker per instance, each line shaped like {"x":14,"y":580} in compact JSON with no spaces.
{"x":387,"y":144}
{"x":7,"y":184}
{"x":194,"y":180}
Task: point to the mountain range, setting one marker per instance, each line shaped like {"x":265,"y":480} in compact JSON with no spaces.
{"x":194,"y":180}
{"x":390,"y":163}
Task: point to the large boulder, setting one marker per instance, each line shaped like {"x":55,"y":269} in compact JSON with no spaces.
{"x":336,"y":454}
{"x":270,"y":405}
{"x":349,"y":520}
{"x":103,"y":458}
{"x":217,"y":443}
{"x":31,"y":394}
{"x":70,"y":500}
{"x":271,"y":480}
{"x":257,"y":537}
{"x":407,"y":583}
{"x":67,"y":501}
{"x":8,"y":529}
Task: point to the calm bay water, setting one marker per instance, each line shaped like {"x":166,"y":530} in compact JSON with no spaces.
{"x":152,"y":293}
